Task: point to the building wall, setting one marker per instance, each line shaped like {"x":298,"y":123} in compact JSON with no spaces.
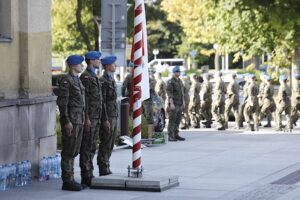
{"x":27,"y":108}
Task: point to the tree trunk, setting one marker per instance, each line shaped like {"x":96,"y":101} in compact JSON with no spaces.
{"x":217,"y":63}
{"x":83,"y":34}
{"x":256,"y":61}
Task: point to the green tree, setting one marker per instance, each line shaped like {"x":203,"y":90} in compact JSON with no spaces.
{"x":73,"y":27}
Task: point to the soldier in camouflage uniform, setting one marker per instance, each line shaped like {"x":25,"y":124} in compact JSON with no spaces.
{"x":194,"y":106}
{"x":147,"y":106}
{"x":218,"y":104}
{"x":206,"y":100}
{"x":175,"y":92}
{"x":185,"y":120}
{"x":71,"y":103}
{"x":245,"y":89}
{"x":295,"y":99}
{"x":251,"y":110}
{"x":233,"y":102}
{"x":267,"y":101}
{"x":108,"y":131}
{"x":126,"y":86}
{"x":160,"y":87}
{"x":283,"y":104}
{"x":93,"y":110}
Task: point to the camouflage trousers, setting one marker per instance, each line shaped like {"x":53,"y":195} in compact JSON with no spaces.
{"x":218,"y":112}
{"x":252,"y":112}
{"x":280,"y":108}
{"x":88,"y":149}
{"x":70,"y":149}
{"x":185,"y":119}
{"x":194,"y":112}
{"x":232,"y":104}
{"x":294,"y":113}
{"x":107,"y":141}
{"x":174,"y":121}
{"x":267,"y":108}
{"x":205,"y":111}
{"x":148,"y":111}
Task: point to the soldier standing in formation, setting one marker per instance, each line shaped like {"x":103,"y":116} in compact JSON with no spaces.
{"x":93,"y":111}
{"x":186,"y":121}
{"x":148,"y":107}
{"x":267,"y":101}
{"x":110,"y":115}
{"x":71,"y":103}
{"x":251,"y":110}
{"x":175,"y":92}
{"x":126,"y":86}
{"x":218,"y":104}
{"x":160,"y":87}
{"x":232,"y":103}
{"x":295,"y":99}
{"x":283,"y":104}
{"x":194,"y":106}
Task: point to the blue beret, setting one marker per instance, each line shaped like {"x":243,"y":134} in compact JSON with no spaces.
{"x":93,"y":55}
{"x":283,"y":77}
{"x":268,"y":78}
{"x":75,"y":59}
{"x":108,"y":60}
{"x":297,"y":76}
{"x":176,"y":69}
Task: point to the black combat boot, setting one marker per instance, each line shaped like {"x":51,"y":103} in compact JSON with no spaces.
{"x":86,"y":182}
{"x":71,"y":186}
{"x":177,"y":137}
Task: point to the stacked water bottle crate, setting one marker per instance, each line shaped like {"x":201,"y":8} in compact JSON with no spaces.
{"x":12,"y":175}
{"x":49,"y":167}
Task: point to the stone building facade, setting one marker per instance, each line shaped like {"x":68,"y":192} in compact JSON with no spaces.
{"x":27,"y":107}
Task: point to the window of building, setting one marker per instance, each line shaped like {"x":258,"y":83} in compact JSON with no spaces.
{"x":5,"y":21}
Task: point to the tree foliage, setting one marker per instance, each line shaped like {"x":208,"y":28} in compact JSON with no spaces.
{"x":73,"y":26}
{"x":253,"y":26}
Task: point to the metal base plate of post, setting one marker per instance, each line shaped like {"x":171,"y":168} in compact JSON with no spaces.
{"x":141,"y":183}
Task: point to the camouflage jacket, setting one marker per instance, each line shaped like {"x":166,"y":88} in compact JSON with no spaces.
{"x":206,"y":92}
{"x":195,"y":90}
{"x":93,"y":95}
{"x":284,"y":93}
{"x":175,"y":91}
{"x":126,"y":86}
{"x":252,"y":94}
{"x":109,"y":95}
{"x":71,"y":100}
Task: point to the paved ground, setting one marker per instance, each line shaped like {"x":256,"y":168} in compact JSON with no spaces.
{"x":225,"y":165}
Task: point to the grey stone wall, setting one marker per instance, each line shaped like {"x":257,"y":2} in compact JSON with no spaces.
{"x":27,"y":130}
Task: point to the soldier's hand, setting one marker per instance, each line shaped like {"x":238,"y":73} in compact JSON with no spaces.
{"x":172,"y":106}
{"x":106,"y":125}
{"x":69,"y":128}
{"x":87,"y":125}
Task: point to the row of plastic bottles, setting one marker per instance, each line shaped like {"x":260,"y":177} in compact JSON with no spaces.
{"x":49,"y":168}
{"x":12,"y":175}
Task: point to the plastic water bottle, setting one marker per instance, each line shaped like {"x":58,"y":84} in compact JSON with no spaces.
{"x":59,"y":166}
{"x":3,"y":177}
{"x":57,"y":162}
{"x":13,"y":172}
{"x":19,"y":174}
{"x":28,"y":171}
{"x":42,"y":169}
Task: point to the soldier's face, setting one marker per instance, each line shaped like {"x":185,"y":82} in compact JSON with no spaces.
{"x":112,"y":67}
{"x":78,"y":68}
{"x":177,"y":74}
{"x":96,"y":63}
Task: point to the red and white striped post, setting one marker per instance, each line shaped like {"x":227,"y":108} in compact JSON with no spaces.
{"x":137,"y":78}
